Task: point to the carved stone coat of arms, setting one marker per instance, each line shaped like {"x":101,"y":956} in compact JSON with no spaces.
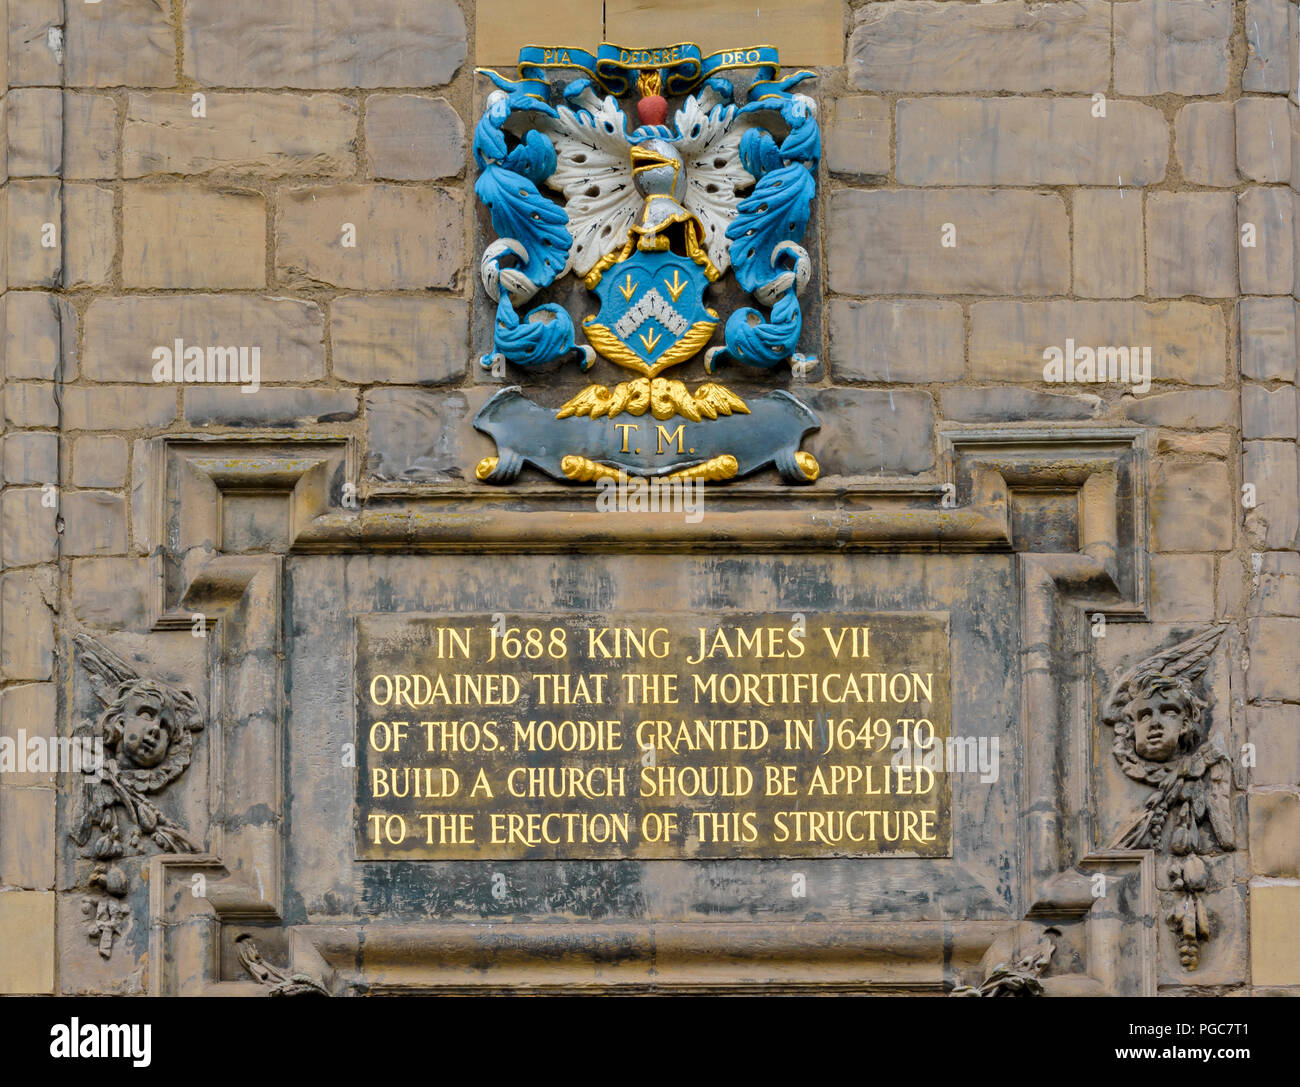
{"x":649,"y":214}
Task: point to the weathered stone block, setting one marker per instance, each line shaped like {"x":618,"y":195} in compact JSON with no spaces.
{"x":39,"y":328}
{"x":413,"y":138}
{"x":112,"y":593}
{"x":323,"y":43}
{"x":89,"y":137}
{"x":412,"y":341}
{"x":1271,"y":467}
{"x":1189,"y":501}
{"x":1230,"y":587}
{"x":212,"y":406}
{"x":1277,"y":585}
{"x":99,"y":461}
{"x":1029,"y":141}
{"x":1203,"y":409}
{"x":35,"y":29}
{"x":31,"y":457}
{"x":123,"y":43}
{"x":267,"y":135}
{"x":27,"y":931}
{"x":1295,"y":235}
{"x":1293,"y":115}
{"x":414,"y":435}
{"x":1001,"y":242}
{"x":30,"y":404}
{"x":809,"y":32}
{"x":27,"y":844}
{"x":1275,"y":834}
{"x":182,"y":236}
{"x":31,"y":708}
{"x":35,"y":233}
{"x":1195,"y":445}
{"x":1269,"y":47}
{"x":118,"y":407}
{"x":405,"y":238}
{"x":1191,"y":244}
{"x":908,"y":340}
{"x":88,"y":236}
{"x":1182,"y":588}
{"x":27,"y":641}
{"x":1268,"y":414}
{"x":1205,"y":141}
{"x":1267,"y":267}
{"x":1263,"y":139}
{"x":122,"y":333}
{"x":1186,"y":338}
{"x":34,"y":127}
{"x":1275,"y":732}
{"x":29,"y":534}
{"x":919,"y":45}
{"x":857,"y":138}
{"x":1172,"y":46}
{"x":1268,"y":338}
{"x":1271,"y":673}
{"x":1108,"y":244}
{"x":893,"y":432}
{"x":94,"y":523}
{"x":1007,"y":405}
{"x":502,"y":27}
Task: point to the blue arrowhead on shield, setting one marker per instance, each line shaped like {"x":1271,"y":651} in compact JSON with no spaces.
{"x":652,"y":217}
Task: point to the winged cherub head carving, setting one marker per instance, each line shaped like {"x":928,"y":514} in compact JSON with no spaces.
{"x":1162,"y":740}
{"x":148,"y":728}
{"x":1164,"y":717}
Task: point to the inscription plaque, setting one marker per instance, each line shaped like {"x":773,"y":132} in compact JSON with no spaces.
{"x":652,"y":736}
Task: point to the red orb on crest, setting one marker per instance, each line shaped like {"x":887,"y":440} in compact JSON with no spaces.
{"x":652,"y":109}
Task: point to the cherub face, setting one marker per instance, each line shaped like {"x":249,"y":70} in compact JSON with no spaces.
{"x":1159,"y":721}
{"x":146,"y":730}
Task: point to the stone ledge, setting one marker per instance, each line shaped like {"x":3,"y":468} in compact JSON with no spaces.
{"x":653,"y":957}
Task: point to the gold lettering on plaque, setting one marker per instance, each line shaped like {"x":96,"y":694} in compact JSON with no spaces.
{"x":652,"y":736}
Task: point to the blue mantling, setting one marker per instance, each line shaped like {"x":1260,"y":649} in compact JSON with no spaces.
{"x":768,"y":226}
{"x":507,"y":186}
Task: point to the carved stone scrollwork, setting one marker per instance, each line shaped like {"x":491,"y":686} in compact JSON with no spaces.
{"x":1162,"y":739}
{"x":275,"y":979}
{"x":1020,"y":978}
{"x":145,"y":741}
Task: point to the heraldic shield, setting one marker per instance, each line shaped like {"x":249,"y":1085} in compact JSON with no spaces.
{"x":653,"y":214}
{"x":652,"y":313}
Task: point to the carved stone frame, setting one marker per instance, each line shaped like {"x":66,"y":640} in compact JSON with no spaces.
{"x":200,"y":568}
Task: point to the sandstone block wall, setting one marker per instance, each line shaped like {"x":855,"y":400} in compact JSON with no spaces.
{"x":998,"y":178}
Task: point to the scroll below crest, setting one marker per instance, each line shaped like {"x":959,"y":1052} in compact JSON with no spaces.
{"x":649,"y":216}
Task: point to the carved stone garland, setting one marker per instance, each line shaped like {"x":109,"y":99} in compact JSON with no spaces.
{"x":1162,"y":739}
{"x":1020,"y":978}
{"x":145,"y":735}
{"x":276,"y":980}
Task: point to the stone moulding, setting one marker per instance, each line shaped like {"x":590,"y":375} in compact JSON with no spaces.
{"x":715,"y":957}
{"x":885,"y":520}
{"x":203,"y":564}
